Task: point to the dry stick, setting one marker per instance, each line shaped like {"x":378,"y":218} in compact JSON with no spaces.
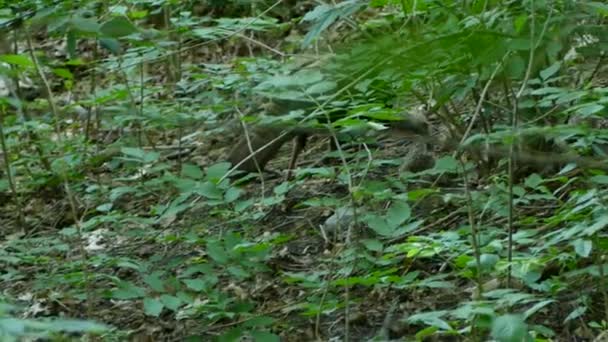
{"x":66,"y":184}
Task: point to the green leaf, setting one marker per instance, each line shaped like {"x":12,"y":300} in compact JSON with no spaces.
{"x":589,"y":109}
{"x":111,"y":44}
{"x":217,"y":171}
{"x":597,"y":226}
{"x":238,"y":272}
{"x":140,"y":155}
{"x":488,"y":261}
{"x":19,"y":60}
{"x":262,"y":336}
{"x":426,"y":332}
{"x":322,"y":88}
{"x":197,"y":284}
{"x":128,"y":290}
{"x":154,"y":281}
{"x":217,"y":252}
{"x":519,"y":22}
{"x":209,"y":190}
{"x":71,"y":325}
{"x":232,"y":335}
{"x":152,"y":307}
{"x":192,"y":171}
{"x":533,"y":181}
{"x":582,"y":247}
{"x":84,"y":25}
{"x":599,"y":7}
{"x":232,"y":194}
{"x":63,"y":73}
{"x":509,"y":328}
{"x":104,"y":208}
{"x":259,"y":321}
{"x":379,"y":225}
{"x":576,"y":313}
{"x":516,"y":66}
{"x":398,"y":213}
{"x":373,"y":245}
{"x":433,"y":319}
{"x":446,"y":164}
{"x":282,"y":188}
{"x":550,"y":71}
{"x":171,"y":302}
{"x":117,"y":27}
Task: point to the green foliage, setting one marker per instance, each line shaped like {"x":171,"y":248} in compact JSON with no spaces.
{"x":127,"y":203}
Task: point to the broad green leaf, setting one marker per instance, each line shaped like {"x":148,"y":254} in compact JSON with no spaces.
{"x":533,"y":181}
{"x":238,"y":272}
{"x":192,"y":171}
{"x":426,"y":332}
{"x":128,"y":290}
{"x":597,"y":226}
{"x":104,"y":208}
{"x":117,"y":27}
{"x":576,"y":313}
{"x":582,"y":247}
{"x":232,"y":194}
{"x":171,"y":302}
{"x":373,"y":245}
{"x":217,"y":171}
{"x":488,"y":261}
{"x":398,"y":213}
{"x":71,"y":325}
{"x":322,"y":87}
{"x":111,"y":44}
{"x":217,"y":252}
{"x":209,"y":190}
{"x":509,"y":328}
{"x":85,"y":25}
{"x":155,"y":282}
{"x":232,"y":335}
{"x":446,"y":164}
{"x":538,"y":306}
{"x":379,"y":225}
{"x":63,"y":73}
{"x":590,"y":109}
{"x":600,"y":7}
{"x":263,"y":336}
{"x":433,"y":318}
{"x":550,"y":71}
{"x":259,"y":321}
{"x":197,"y":284}
{"x":140,"y":155}
{"x":152,"y":307}
{"x":519,"y":22}
{"x":19,"y":60}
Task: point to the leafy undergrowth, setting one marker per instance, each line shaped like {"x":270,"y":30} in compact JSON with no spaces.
{"x":263,"y":259}
{"x":118,"y":206}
